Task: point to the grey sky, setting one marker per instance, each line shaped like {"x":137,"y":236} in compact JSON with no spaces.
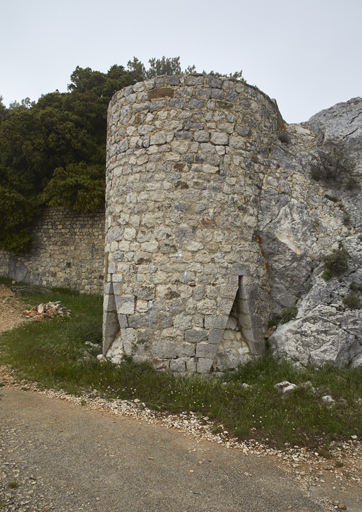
{"x":304,"y":53}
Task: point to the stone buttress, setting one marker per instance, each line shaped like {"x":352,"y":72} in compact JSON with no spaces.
{"x":186,"y":282}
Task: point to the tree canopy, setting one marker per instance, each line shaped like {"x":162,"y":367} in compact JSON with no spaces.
{"x":53,"y":151}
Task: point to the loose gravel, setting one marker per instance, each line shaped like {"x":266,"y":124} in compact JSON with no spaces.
{"x":335,"y":482}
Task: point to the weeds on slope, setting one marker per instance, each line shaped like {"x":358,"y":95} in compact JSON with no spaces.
{"x":54,"y":354}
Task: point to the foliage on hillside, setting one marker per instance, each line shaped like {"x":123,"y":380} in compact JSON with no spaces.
{"x":53,"y":151}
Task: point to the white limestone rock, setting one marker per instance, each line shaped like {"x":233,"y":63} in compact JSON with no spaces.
{"x":325,"y":330}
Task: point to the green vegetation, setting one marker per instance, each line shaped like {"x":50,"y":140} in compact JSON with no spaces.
{"x":352,"y":184}
{"x":54,"y":354}
{"x":13,"y":485}
{"x":332,"y":166}
{"x":336,"y":263}
{"x":53,"y":151}
{"x":334,"y":199}
{"x":288,"y":314}
{"x":356,"y":287}
{"x":352,"y":301}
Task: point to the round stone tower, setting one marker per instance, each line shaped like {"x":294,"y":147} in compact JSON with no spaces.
{"x":186,"y":282}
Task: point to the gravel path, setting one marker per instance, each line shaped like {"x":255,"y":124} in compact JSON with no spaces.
{"x":69,"y":458}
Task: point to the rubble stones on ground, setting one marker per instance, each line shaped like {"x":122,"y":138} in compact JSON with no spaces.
{"x":48,"y":310}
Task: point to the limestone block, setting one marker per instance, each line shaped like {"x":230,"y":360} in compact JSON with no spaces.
{"x":236,"y":142}
{"x":207,"y":307}
{"x":191,"y":365}
{"x":122,"y":320}
{"x":110,"y":327}
{"x":195,"y":335}
{"x":111,"y":267}
{"x":149,"y":246}
{"x":118,"y":256}
{"x":128,"y":340}
{"x":186,"y":350}
{"x":158,"y":138}
{"x":224,"y":305}
{"x":204,"y":365}
{"x":109,"y":304}
{"x":183,"y":322}
{"x":207,"y":350}
{"x":180,"y":146}
{"x":160,"y":364}
{"x":172,"y":335}
{"x":179,"y":103}
{"x":215,"y":336}
{"x":216,"y":322}
{"x":145,"y":292}
{"x":163,"y":350}
{"x":177,"y":365}
{"x":196,"y":103}
{"x":219,"y":138}
{"x":141,"y":306}
{"x":125,"y":304}
{"x":217,"y":94}
{"x":201,"y":136}
{"x":213,"y":81}
{"x":210,"y":169}
{"x":129,"y":234}
{"x":240,"y":269}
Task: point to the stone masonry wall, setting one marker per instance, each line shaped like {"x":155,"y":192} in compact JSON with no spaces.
{"x":186,"y":281}
{"x":67,"y":250}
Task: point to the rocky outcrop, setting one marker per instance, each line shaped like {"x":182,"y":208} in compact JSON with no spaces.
{"x":326,"y":329}
{"x":302,"y":224}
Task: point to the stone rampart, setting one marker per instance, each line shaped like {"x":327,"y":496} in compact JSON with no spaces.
{"x":67,"y":250}
{"x":186,"y":280}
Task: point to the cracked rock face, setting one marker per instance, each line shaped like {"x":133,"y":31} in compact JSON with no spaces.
{"x":341,"y":123}
{"x":325,"y":329}
{"x":297,"y":232}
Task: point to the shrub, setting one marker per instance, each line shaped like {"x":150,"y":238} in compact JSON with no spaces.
{"x":356,"y":287}
{"x":283,"y":137}
{"x":336,"y":263}
{"x":352,"y":301}
{"x":332,"y":165}
{"x":331,"y":198}
{"x":288,"y":314}
{"x":353,"y":184}
{"x":347,"y":220}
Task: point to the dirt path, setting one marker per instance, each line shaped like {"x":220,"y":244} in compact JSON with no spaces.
{"x":69,"y":458}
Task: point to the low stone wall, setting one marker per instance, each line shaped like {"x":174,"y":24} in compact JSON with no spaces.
{"x":67,"y":250}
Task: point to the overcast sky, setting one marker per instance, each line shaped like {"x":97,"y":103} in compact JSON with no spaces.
{"x":304,"y":53}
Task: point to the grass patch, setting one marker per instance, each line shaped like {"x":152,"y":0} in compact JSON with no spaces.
{"x":53,"y":353}
{"x":352,"y":301}
{"x":335,"y":263}
{"x":13,"y":485}
{"x":334,"y":199}
{"x":288,"y":314}
{"x":5,"y":280}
